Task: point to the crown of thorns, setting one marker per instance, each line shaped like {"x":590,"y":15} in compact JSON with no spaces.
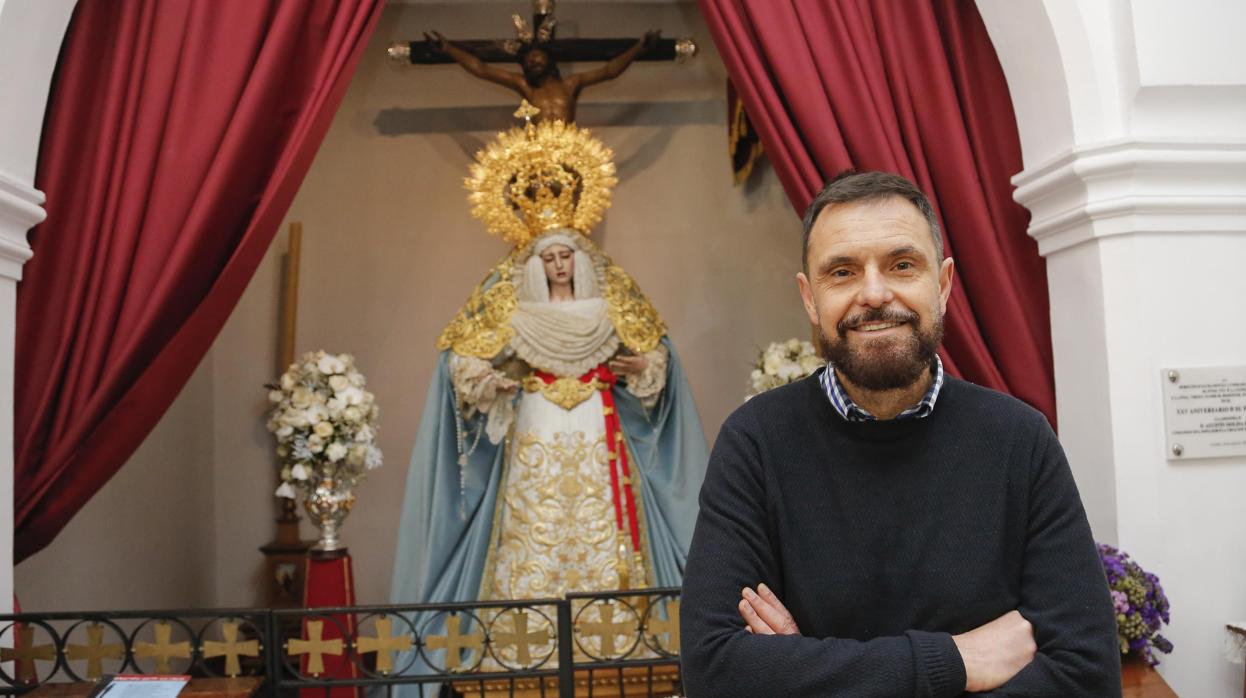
{"x":527,"y":37}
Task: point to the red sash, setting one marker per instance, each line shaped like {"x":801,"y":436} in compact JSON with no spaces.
{"x":620,"y":474}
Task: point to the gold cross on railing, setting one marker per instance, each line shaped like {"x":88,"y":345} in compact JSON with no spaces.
{"x":25,"y":654}
{"x":454,"y":641}
{"x":95,"y":651}
{"x":162,"y":649}
{"x":668,"y":626}
{"x":231,"y":649}
{"x":607,"y":628}
{"x":383,"y":643}
{"x":314,"y":647}
{"x":521,"y":638}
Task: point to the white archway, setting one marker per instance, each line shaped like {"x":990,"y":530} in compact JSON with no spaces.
{"x":30,"y":39}
{"x":1132,"y":117}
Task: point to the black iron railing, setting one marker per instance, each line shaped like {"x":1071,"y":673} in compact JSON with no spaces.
{"x":618,"y":643}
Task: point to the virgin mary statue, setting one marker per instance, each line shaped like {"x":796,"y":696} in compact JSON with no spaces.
{"x":559,"y":449}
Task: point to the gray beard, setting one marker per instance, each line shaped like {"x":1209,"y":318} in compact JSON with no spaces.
{"x":880,"y":368}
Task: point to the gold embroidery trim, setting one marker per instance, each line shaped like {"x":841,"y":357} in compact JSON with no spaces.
{"x":542,"y":177}
{"x":482,"y":327}
{"x":567,"y":393}
{"x":636,"y":321}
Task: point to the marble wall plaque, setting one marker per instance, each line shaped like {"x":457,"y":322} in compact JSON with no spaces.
{"x":1205,"y":411}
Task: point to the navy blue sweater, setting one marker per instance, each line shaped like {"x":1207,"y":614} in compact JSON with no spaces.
{"x":884,"y":539}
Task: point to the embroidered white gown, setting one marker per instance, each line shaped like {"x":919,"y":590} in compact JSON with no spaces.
{"x":556,"y":528}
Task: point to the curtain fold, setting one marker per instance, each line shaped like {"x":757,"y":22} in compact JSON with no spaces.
{"x":913,"y":88}
{"x":177,"y":134}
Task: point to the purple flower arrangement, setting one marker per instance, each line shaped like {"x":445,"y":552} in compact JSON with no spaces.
{"x":1140,"y":605}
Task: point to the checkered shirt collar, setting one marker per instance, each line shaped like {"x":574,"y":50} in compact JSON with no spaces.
{"x":852,"y":412}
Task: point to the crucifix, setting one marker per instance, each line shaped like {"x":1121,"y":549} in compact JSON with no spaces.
{"x":538,"y":51}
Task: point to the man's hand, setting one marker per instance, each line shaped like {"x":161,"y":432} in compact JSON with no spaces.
{"x":764,"y":614}
{"x":995,"y":652}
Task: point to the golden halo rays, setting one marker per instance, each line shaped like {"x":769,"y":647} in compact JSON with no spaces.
{"x":542,"y":177}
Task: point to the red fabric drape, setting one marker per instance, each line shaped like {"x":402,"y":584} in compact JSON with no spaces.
{"x":177,"y":134}
{"x":913,"y":88}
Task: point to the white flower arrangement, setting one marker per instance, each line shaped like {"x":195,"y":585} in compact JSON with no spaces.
{"x":782,"y":363}
{"x":325,"y":423}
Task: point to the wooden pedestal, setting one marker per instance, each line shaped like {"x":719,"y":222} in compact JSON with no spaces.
{"x":284,"y":560}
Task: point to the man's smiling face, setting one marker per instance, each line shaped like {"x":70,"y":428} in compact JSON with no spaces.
{"x":876,"y":290}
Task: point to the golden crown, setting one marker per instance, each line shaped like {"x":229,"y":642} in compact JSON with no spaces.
{"x":541,"y":177}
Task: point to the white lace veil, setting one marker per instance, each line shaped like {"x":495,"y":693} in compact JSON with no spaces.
{"x":534,"y":287}
{"x":569,"y":338}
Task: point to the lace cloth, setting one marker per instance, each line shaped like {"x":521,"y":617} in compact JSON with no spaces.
{"x":566,"y":339}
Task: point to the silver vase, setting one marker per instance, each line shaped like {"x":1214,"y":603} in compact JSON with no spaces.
{"x":328,"y":504}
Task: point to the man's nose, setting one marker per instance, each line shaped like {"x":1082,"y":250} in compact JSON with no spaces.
{"x":874,"y":292}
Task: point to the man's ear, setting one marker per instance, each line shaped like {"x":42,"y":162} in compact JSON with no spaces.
{"x":806,"y":297}
{"x":947,"y":272}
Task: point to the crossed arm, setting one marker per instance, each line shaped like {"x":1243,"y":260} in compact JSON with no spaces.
{"x":738,"y":641}
{"x":992,"y":653}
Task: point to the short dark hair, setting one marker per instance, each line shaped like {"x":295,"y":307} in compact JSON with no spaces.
{"x":851,"y":186}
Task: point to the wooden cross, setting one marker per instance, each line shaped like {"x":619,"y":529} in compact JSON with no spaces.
{"x":561,"y":50}
{"x":314,"y":647}
{"x":95,"y":651}
{"x":162,"y":649}
{"x":25,"y":653}
{"x":668,"y":626}
{"x":384,"y":643}
{"x":231,"y":649}
{"x":521,"y":638}
{"x":454,"y":642}
{"x":541,"y":82}
{"x":607,"y":628}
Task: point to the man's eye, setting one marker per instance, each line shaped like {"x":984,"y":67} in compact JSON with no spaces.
{"x":904,"y":266}
{"x":841,"y":273}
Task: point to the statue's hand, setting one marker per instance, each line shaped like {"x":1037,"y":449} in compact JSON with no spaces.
{"x":650,"y":39}
{"x":629,"y":365}
{"x":437,"y":41}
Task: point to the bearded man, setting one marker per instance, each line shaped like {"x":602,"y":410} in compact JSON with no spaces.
{"x":882,"y":528}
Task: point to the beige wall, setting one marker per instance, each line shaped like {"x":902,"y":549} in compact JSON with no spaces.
{"x":390,"y":252}
{"x":145,"y":540}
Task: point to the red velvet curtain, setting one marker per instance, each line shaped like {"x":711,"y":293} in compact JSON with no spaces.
{"x":913,"y":88}
{"x":177,"y":134}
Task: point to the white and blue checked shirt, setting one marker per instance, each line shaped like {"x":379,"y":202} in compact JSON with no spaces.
{"x":852,"y":412}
